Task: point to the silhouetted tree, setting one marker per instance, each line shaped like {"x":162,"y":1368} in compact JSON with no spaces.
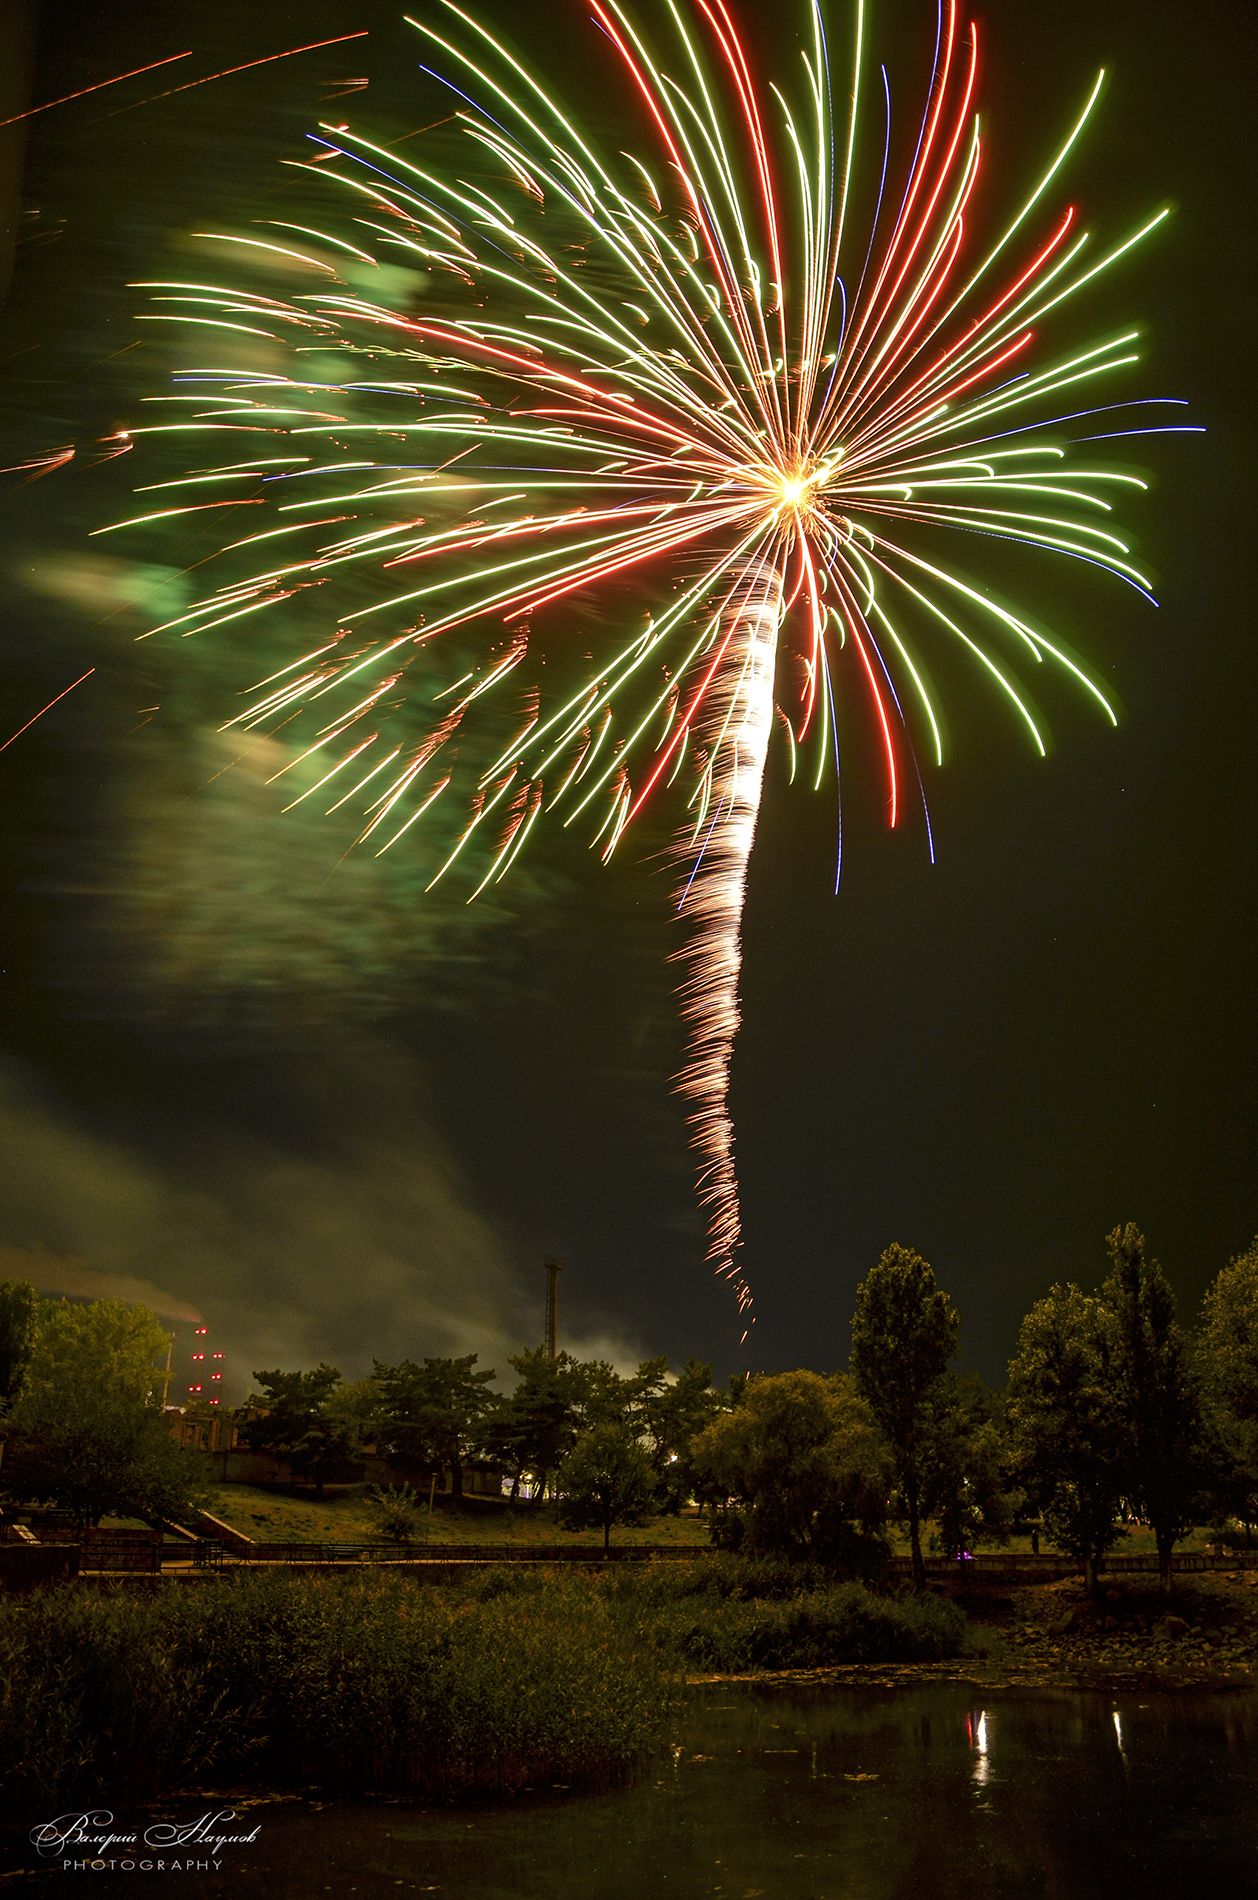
{"x":299,"y":1423}
{"x":533,"y":1428}
{"x":669,"y":1413}
{"x":18,"y":1302}
{"x":433,"y":1415}
{"x":967,"y":1487}
{"x":1166,"y":1470}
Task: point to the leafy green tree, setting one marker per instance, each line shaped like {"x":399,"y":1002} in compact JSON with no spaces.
{"x":605,"y":1480}
{"x":18,"y":1303}
{"x":803,"y":1462}
{"x":1167,"y":1470}
{"x":86,"y":1428}
{"x":1067,"y":1422}
{"x":904,"y":1331}
{"x":298,"y":1422}
{"x":433,"y":1415}
{"x":355,"y":1404}
{"x":1227,"y":1358}
{"x":967,"y":1486}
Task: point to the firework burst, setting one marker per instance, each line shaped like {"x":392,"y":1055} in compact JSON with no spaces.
{"x":684,"y":373}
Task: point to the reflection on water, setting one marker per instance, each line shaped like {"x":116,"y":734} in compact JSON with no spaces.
{"x":777,"y":1793}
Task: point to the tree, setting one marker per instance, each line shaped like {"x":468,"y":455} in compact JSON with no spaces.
{"x":1227,"y":1358}
{"x":86,"y":1428}
{"x":532,"y":1429}
{"x":966,"y":1483}
{"x":802,"y":1459}
{"x":1066,"y":1421}
{"x":432,"y":1416}
{"x":601,"y":1395}
{"x":606,"y":1479}
{"x":18,"y":1303}
{"x":298,"y":1422}
{"x":355,"y":1404}
{"x":1166,"y":1471}
{"x":904,"y":1331}
{"x":669,"y":1413}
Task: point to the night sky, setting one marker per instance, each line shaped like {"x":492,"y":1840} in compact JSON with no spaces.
{"x":341,"y":1121}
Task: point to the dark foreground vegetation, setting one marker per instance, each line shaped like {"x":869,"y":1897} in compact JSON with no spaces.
{"x":505,"y":1682}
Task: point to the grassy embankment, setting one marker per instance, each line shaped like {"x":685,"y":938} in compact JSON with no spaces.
{"x":287,"y":1514}
{"x":279,"y":1515}
{"x":510,"y":1680}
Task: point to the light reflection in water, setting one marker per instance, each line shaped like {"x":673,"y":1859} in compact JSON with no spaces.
{"x":976,"y":1735}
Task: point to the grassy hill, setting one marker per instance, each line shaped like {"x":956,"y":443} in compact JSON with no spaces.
{"x":285,"y":1514}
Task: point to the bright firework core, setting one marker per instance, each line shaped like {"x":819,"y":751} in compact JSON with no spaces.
{"x":800,"y":485}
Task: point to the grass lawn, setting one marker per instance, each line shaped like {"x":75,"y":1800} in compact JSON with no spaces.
{"x":285,"y":1514}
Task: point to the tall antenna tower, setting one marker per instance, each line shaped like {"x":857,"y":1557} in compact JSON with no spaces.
{"x":553,"y":1270}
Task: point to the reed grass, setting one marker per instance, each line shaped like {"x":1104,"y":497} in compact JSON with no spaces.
{"x":354,"y":1684}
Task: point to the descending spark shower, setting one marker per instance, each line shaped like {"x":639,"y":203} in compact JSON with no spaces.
{"x":696,"y":367}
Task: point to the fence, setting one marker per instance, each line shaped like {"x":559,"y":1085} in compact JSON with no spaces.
{"x":130,"y":1550}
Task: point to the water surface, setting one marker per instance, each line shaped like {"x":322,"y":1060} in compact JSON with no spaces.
{"x":818,"y":1793}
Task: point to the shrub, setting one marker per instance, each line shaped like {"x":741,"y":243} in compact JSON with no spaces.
{"x":731,"y":1615}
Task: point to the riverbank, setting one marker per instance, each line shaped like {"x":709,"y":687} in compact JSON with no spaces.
{"x":1203,"y":1637}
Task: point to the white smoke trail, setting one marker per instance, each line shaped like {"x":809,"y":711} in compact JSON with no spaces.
{"x":740,"y":709}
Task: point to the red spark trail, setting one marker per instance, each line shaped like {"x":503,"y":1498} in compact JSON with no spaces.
{"x":48,"y":708}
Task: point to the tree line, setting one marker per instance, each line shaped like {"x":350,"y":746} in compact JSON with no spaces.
{"x":1112,"y":1410}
